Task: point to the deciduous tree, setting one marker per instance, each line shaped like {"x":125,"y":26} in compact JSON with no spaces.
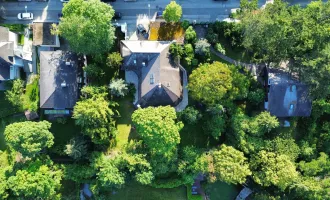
{"x":190,"y":35}
{"x":172,"y":12}
{"x":118,"y":87}
{"x":14,"y":95}
{"x":29,"y":138}
{"x":86,"y":25}
{"x":96,"y":119}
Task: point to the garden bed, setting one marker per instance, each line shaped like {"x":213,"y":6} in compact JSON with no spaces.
{"x":162,"y":31}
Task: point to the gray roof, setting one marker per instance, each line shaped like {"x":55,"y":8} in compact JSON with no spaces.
{"x":287,"y":96}
{"x":54,"y":72}
{"x":159,"y":79}
{"x":6,"y":51}
{"x":42,"y":34}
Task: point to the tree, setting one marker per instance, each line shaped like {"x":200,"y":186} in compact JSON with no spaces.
{"x":202,"y":47}
{"x":190,"y":115}
{"x":319,"y":166}
{"x":188,"y":166}
{"x":114,"y":60}
{"x":220,"y":49}
{"x":190,"y":35}
{"x":77,"y":148}
{"x":172,"y":12}
{"x":33,"y":137}
{"x":263,"y":123}
{"x":78,"y":173}
{"x":95,"y":118}
{"x":38,"y":180}
{"x":14,"y":95}
{"x":211,"y":83}
{"x":247,"y":6}
{"x":225,"y":164}
{"x":273,"y":169}
{"x":284,"y":147}
{"x":176,"y":50}
{"x":90,"y":91}
{"x":86,"y":21}
{"x":189,"y":52}
{"x":160,"y":132}
{"x":118,"y":87}
{"x":93,"y":71}
{"x":214,"y":125}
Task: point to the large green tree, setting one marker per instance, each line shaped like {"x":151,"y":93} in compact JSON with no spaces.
{"x":96,"y":119}
{"x":272,"y":169}
{"x":172,"y":12}
{"x":225,"y":164}
{"x":159,"y":130}
{"x":40,"y":179}
{"x":86,"y":25}
{"x":29,"y":138}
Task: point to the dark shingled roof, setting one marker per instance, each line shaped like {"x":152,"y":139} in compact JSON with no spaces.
{"x":54,"y":72}
{"x":159,"y":79}
{"x":287,"y":96}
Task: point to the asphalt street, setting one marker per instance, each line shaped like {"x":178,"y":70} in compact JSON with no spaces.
{"x":207,"y":9}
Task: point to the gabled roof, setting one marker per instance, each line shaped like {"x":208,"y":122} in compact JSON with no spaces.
{"x":159,"y":79}
{"x":53,"y":73}
{"x":6,"y":52}
{"x":287,"y":96}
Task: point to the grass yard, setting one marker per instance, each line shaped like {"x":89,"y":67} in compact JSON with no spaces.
{"x":194,"y":135}
{"x":124,"y":122}
{"x":235,"y":53}
{"x":161,"y":31}
{"x":222,"y":191}
{"x":135,"y":191}
{"x":3,"y":123}
{"x":64,"y":132}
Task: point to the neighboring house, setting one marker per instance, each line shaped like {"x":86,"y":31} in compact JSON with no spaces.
{"x":286,"y":96}
{"x":60,"y":80}
{"x":13,"y":57}
{"x":158,"y":80}
{"x":42,"y":35}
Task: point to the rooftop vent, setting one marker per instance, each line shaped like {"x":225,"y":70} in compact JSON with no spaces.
{"x":159,"y":85}
{"x":63,"y":85}
{"x":168,"y":85}
{"x":143,"y":64}
{"x":67,"y":63}
{"x":134,"y":62}
{"x":152,"y":80}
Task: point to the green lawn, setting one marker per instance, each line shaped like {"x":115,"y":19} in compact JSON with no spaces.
{"x":194,"y":135}
{"x":222,"y":191}
{"x":234,"y":53}
{"x":64,"y":132}
{"x":3,"y":123}
{"x":124,"y":122}
{"x":135,"y":191}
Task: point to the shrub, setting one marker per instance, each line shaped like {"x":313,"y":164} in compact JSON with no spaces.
{"x":202,"y":47}
{"x":118,"y":88}
{"x":14,"y":95}
{"x":219,"y":48}
{"x":114,"y":60}
{"x":185,"y":24}
{"x":190,"y":115}
{"x":93,"y":71}
{"x":190,"y":35}
{"x":189,"y":51}
{"x":31,"y":96}
{"x":256,"y":96}
{"x":61,"y":120}
{"x":77,"y":148}
{"x":176,"y":50}
{"x":212,"y":37}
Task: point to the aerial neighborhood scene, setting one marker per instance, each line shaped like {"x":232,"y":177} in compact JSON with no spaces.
{"x":164,"y":100}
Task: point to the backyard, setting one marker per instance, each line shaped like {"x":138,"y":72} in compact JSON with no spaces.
{"x":222,"y":191}
{"x":135,"y":191}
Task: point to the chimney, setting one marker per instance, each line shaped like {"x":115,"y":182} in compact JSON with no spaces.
{"x":143,"y":64}
{"x":159,"y":85}
{"x":134,"y":62}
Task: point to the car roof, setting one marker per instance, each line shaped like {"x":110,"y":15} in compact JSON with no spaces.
{"x":26,"y":14}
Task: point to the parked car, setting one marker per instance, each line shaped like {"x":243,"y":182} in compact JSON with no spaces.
{"x":141,"y":29}
{"x":117,"y":15}
{"x":64,"y":1}
{"x":25,"y":16}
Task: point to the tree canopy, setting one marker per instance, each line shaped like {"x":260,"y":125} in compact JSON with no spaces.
{"x":86,"y":25}
{"x":96,"y":119}
{"x":172,"y":12}
{"x":29,"y":138}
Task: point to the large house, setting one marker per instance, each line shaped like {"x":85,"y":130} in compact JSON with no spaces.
{"x":60,"y":80}
{"x":158,"y":80}
{"x":286,"y":96}
{"x":13,"y":57}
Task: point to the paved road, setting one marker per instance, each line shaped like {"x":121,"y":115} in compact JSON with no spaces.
{"x":47,"y":11}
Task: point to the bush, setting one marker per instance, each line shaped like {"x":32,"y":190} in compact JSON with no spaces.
{"x":190,"y":35}
{"x":214,"y":126}
{"x":31,"y":96}
{"x":61,"y":120}
{"x":220,"y":49}
{"x":190,"y":115}
{"x":77,"y":148}
{"x":176,"y":50}
{"x":14,"y":95}
{"x":256,"y":96}
{"x":189,"y":52}
{"x":114,"y":60}
{"x":212,"y":37}
{"x":93,"y":71}
{"x":118,"y":88}
{"x":202,"y":47}
{"x":185,"y":24}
